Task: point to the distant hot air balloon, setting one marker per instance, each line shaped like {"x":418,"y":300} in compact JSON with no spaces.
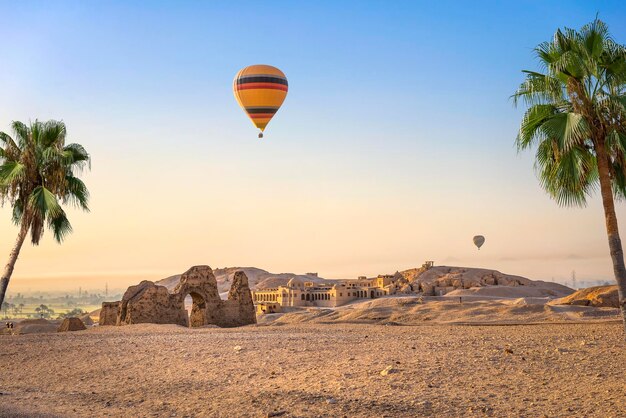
{"x":260,"y":90}
{"x":479,"y":240}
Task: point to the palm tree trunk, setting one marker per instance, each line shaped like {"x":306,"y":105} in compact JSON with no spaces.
{"x":615,"y":243}
{"x":8,"y":269}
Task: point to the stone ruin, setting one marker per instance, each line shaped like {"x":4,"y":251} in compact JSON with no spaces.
{"x":71,"y":324}
{"x":148,"y":302}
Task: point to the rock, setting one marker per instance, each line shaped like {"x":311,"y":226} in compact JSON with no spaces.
{"x":441,"y":280}
{"x":240,"y":298}
{"x":87,"y":320}
{"x":275,"y":414}
{"x":598,"y":296}
{"x":108,"y":313}
{"x":150,"y":303}
{"x":71,"y":324}
{"x":387,"y":370}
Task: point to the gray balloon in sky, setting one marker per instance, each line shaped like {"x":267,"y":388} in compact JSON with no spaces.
{"x":479,"y":240}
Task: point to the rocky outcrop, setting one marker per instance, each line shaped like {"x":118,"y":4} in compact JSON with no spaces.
{"x":87,"y":320}
{"x":442,"y":279}
{"x":148,"y":302}
{"x":71,"y":324}
{"x":108,"y":313}
{"x":598,"y":296}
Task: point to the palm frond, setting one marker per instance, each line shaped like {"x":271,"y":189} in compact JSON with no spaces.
{"x":52,"y":133}
{"x":570,"y":177}
{"x":10,"y":149}
{"x":569,"y":129}
{"x":43,"y":202}
{"x":60,"y":226}
{"x":538,"y":89}
{"x":10,"y":172}
{"x":23,"y":134}
{"x":530,"y":129}
{"x":77,"y":192}
{"x":76,"y":156}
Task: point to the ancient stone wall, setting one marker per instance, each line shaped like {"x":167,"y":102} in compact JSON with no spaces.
{"x":108,"y":313}
{"x":240,"y":301}
{"x":150,"y":303}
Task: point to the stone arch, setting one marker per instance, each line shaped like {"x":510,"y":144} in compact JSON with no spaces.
{"x":199,"y":283}
{"x":198,"y":314}
{"x":148,"y":302}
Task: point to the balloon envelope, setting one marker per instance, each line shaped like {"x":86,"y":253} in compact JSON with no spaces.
{"x":260,"y":90}
{"x":479,"y":240}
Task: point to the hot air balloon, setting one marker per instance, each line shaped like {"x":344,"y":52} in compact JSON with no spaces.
{"x":479,"y":240}
{"x":260,"y":90}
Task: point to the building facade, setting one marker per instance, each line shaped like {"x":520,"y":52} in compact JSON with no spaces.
{"x":299,"y":293}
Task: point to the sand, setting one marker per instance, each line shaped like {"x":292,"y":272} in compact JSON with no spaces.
{"x":307,"y":370}
{"x":602,"y":296}
{"x":413,"y":310}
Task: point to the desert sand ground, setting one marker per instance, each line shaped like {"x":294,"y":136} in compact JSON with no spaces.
{"x":310,"y":369}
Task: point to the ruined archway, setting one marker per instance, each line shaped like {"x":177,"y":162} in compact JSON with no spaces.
{"x":196,"y":309}
{"x":148,"y":302}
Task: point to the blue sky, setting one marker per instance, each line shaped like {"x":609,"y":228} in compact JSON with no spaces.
{"x":399,"y":105}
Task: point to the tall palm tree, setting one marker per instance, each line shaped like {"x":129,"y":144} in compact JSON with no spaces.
{"x":576,"y":118}
{"x":38,"y":173}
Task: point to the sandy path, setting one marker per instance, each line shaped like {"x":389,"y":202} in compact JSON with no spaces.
{"x":317,"y":370}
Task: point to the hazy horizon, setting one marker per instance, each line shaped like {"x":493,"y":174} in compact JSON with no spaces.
{"x":395,"y":144}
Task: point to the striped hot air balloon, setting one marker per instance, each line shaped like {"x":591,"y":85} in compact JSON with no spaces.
{"x":260,"y":90}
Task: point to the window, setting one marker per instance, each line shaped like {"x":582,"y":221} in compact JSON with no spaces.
{"x":340,"y":294}
{"x":303,"y":296}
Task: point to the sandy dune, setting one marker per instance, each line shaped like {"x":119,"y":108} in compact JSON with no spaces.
{"x":602,"y":296}
{"x":314,"y":370}
{"x":412,"y":310}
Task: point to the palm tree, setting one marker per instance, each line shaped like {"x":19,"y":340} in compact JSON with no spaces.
{"x":576,"y":118}
{"x":37,"y":174}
